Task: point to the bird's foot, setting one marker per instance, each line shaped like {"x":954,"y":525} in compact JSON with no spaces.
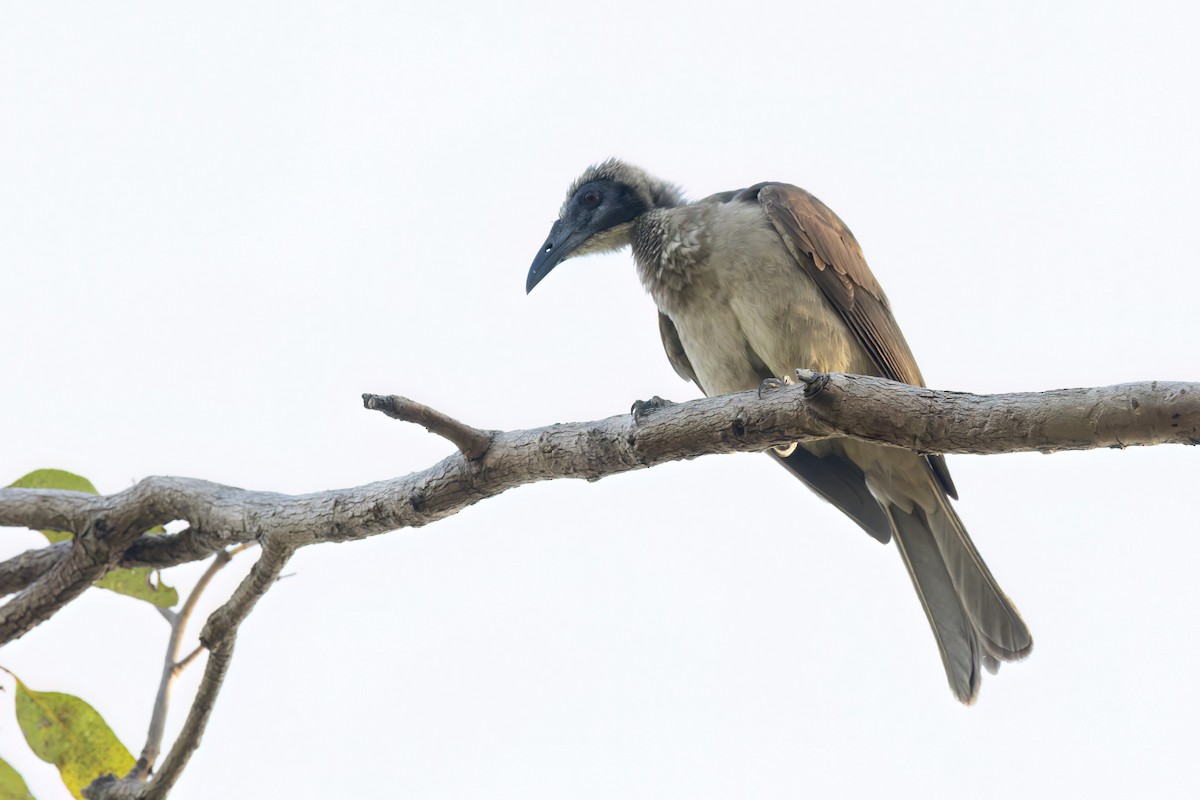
{"x":771,"y":384}
{"x":644,"y":408}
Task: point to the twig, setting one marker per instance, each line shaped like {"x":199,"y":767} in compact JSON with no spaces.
{"x":471,"y":441}
{"x":183,"y":663}
{"x":218,"y":636}
{"x":172,"y":667}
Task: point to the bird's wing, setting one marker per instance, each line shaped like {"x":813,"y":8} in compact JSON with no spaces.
{"x":674,"y":348}
{"x":825,"y":248}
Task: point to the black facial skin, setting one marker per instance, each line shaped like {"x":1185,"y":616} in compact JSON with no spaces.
{"x":597,"y":206}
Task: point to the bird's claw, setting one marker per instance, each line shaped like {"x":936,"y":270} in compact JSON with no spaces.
{"x":644,"y":408}
{"x":771,"y":384}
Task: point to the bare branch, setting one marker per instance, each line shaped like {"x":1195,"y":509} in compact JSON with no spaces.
{"x":218,"y":636}
{"x":872,"y":409}
{"x":184,"y":662}
{"x":21,"y":570}
{"x":172,"y":666}
{"x":46,"y":509}
{"x":103,"y":531}
{"x":927,"y":421}
{"x":148,"y":550}
{"x":823,"y":405}
{"x":91,"y":555}
{"x":169,"y":549}
{"x":471,"y":441}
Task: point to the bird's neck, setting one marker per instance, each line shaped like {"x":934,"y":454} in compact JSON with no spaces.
{"x":669,"y":246}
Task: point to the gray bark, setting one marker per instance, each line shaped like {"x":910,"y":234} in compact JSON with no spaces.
{"x":108,"y":528}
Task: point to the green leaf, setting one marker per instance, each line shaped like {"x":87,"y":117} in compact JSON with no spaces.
{"x":54,"y":479}
{"x":12,"y":785}
{"x":139,"y":582}
{"x":68,"y":733}
{"x":136,"y":581}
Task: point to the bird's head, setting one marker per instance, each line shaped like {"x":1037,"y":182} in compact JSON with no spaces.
{"x":598,"y":214}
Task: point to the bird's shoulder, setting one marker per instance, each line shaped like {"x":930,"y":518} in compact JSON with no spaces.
{"x":811,"y":229}
{"x":808,"y":227}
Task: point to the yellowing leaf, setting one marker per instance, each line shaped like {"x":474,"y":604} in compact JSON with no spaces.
{"x":12,"y":785}
{"x":134,"y":582}
{"x":68,"y":733}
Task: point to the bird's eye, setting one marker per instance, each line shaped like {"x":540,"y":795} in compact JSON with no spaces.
{"x":590,"y":199}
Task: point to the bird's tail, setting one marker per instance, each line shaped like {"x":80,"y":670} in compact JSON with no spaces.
{"x":974,"y":622}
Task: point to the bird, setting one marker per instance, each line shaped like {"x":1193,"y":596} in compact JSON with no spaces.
{"x":752,"y":284}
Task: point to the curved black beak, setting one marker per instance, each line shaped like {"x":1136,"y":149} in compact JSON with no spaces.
{"x":562,"y":240}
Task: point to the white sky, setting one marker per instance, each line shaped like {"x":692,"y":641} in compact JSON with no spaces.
{"x":222,"y":223}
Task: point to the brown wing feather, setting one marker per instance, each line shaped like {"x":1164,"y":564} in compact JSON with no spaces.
{"x":824,"y":247}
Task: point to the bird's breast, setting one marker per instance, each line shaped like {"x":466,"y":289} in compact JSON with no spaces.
{"x":743,"y":307}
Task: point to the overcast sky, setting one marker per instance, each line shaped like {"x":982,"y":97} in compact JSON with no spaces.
{"x":223,"y":223}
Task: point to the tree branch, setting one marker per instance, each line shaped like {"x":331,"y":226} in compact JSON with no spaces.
{"x":872,"y":409}
{"x":173,"y":666}
{"x":103,"y":531}
{"x":472,"y":442}
{"x":157,"y":551}
{"x":90,"y":556}
{"x":21,"y":570}
{"x":162,"y":550}
{"x":490,"y":462}
{"x":183,"y":663}
{"x":928,"y":421}
{"x":218,"y":636}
